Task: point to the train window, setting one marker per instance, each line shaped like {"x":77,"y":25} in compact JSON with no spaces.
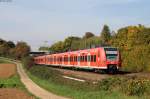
{"x":54,"y":59}
{"x":68,"y":58}
{"x":86,"y":58}
{"x":83,"y":58}
{"x":78,"y":58}
{"x":94,"y":58}
{"x":98,"y":53}
{"x":64,"y":59}
{"x":74,"y":58}
{"x":89,"y":58}
{"x":71,"y":59}
{"x":61,"y":59}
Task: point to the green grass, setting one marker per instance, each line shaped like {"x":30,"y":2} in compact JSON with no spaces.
{"x":12,"y":82}
{"x":68,"y":91}
{"x":3,"y":61}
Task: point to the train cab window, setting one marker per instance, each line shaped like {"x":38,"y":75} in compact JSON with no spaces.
{"x":94,"y":58}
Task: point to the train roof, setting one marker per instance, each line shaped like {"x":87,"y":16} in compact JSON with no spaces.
{"x":77,"y":51}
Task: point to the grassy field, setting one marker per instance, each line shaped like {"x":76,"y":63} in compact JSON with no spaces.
{"x":112,"y":88}
{"x":3,"y":61}
{"x":12,"y":82}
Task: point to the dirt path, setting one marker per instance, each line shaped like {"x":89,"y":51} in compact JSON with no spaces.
{"x":34,"y":88}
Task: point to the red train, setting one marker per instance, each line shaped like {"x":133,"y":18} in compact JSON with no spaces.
{"x":104,"y":58}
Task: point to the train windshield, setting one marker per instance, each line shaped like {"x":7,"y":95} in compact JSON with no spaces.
{"x":111,"y":53}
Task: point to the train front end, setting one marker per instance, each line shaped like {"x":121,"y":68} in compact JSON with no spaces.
{"x":113,"y":59}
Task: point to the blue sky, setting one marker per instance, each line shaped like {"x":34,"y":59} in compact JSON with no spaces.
{"x":36,"y":21}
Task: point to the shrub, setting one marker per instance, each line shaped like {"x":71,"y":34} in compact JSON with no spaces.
{"x":28,"y":62}
{"x":136,"y":87}
{"x":128,"y":85}
{"x":44,"y":72}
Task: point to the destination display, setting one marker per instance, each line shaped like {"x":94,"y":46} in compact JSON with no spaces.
{"x":111,"y":52}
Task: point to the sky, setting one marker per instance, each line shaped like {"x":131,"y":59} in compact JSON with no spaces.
{"x":37,"y":21}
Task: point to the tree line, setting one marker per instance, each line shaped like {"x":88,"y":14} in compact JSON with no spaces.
{"x":12,"y":50}
{"x":132,"y":41}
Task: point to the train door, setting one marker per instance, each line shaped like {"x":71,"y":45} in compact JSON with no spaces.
{"x":85,"y":59}
{"x":93,"y":58}
{"x":78,"y":58}
{"x":98,"y":57}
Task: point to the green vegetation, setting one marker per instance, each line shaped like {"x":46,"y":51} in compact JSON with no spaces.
{"x":12,"y":82}
{"x":3,"y":61}
{"x":110,"y":88}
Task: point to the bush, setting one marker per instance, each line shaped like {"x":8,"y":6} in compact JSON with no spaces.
{"x":136,"y":59}
{"x":128,"y":85}
{"x":137,"y":87}
{"x":28,"y":62}
{"x":44,"y":72}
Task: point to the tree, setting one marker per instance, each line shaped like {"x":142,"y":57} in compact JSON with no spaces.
{"x":11,"y":44}
{"x":21,"y":50}
{"x":2,"y":41}
{"x":105,"y":34}
{"x":57,"y":47}
{"x":68,"y":42}
{"x":43,"y":48}
{"x":4,"y":49}
{"x":88,"y":35}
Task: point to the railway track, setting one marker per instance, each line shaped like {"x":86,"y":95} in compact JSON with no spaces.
{"x":82,"y":74}
{"x":96,"y":76}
